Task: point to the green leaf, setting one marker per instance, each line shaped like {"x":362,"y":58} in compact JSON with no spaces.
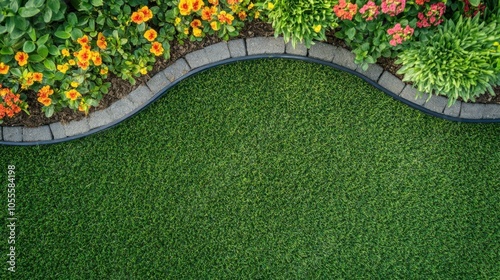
{"x":35,"y":58}
{"x":62,"y":34}
{"x":49,"y":64}
{"x":42,"y":40}
{"x":16,"y":72}
{"x":230,"y":28}
{"x":6,"y":51}
{"x":14,"y":6}
{"x":474,"y":3}
{"x":53,"y":50}
{"x":54,"y":5}
{"x":72,"y":19}
{"x":47,"y":16}
{"x":76,"y":33}
{"x":43,"y":51}
{"x":32,"y":34}
{"x":16,"y":34}
{"x":351,"y":32}
{"x":21,"y":23}
{"x":29,"y":46}
{"x":96,"y":3}
{"x":28,"y":12}
{"x":49,"y":111}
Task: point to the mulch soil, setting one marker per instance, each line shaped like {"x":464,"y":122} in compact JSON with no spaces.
{"x":120,"y":88}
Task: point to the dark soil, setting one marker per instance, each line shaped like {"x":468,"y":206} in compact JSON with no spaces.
{"x":120,"y":88}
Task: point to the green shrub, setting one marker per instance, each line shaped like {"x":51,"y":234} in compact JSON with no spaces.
{"x":301,"y":20}
{"x":457,"y":61}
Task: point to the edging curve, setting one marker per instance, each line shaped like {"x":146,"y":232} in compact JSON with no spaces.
{"x":239,"y":50}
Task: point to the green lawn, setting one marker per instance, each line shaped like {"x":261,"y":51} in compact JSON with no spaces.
{"x":262,"y":169}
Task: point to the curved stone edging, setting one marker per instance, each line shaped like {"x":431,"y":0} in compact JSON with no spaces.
{"x":236,"y":50}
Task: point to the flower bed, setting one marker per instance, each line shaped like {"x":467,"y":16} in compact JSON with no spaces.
{"x":62,"y":54}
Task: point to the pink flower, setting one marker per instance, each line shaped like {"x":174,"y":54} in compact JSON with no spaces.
{"x":399,"y":35}
{"x":433,"y":16}
{"x":393,"y":7}
{"x":370,"y":10}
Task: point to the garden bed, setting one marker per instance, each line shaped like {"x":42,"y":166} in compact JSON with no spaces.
{"x":120,"y":88}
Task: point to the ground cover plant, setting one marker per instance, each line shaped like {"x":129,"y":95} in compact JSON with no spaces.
{"x":58,"y":54}
{"x":261,"y":170}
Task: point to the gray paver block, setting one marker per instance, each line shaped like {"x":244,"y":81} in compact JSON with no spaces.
{"x":453,"y":110}
{"x":345,"y":58}
{"x":140,"y":95}
{"x":237,"y":48}
{"x":300,"y":49}
{"x":217,"y":52}
{"x":76,"y":127}
{"x":41,"y":133}
{"x":197,"y":58}
{"x":436,"y":103}
{"x":57,"y":130}
{"x":99,"y":118}
{"x":373,"y":72}
{"x":472,"y":111}
{"x":491,"y":111}
{"x":412,"y":94}
{"x":322,"y":51}
{"x":265,"y":45}
{"x":13,"y":133}
{"x":177,"y":70}
{"x":158,"y":82}
{"x":1,"y":137}
{"x":391,"y":82}
{"x":120,"y":108}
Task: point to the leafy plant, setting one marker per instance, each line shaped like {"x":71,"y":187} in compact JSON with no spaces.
{"x":457,"y":61}
{"x":301,"y":20}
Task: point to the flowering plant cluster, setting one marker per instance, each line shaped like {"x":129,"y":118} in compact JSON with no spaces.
{"x":433,"y":16}
{"x":345,"y":10}
{"x":398,"y":34}
{"x":10,"y":103}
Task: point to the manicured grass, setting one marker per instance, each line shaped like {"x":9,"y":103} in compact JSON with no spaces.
{"x":262,"y":169}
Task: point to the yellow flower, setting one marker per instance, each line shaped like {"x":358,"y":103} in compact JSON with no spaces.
{"x":215,"y":26}
{"x":185,"y":7}
{"x":72,"y":62}
{"x":65,"y":52}
{"x":196,"y":32}
{"x":143,"y":71}
{"x":186,"y":30}
{"x":317,"y":28}
{"x":72,"y":94}
{"x":104,"y":71}
{"x":4,"y":69}
{"x":177,"y":21}
{"x":250,"y":6}
{"x":257,"y":14}
{"x":150,"y":35}
{"x":270,"y":6}
{"x":74,"y":84}
{"x":156,"y":48}
{"x":21,"y":58}
{"x":63,"y":68}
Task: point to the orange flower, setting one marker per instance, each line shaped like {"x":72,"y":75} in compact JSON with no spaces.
{"x":4,"y":69}
{"x":197,"y":32}
{"x":233,"y":2}
{"x":83,"y":41}
{"x":197,"y":5}
{"x":101,"y":41}
{"x":214,"y":2}
{"x":96,"y":59}
{"x":242,"y":15}
{"x":215,"y":25}
{"x":84,"y":55}
{"x":206,"y":13}
{"x":37,"y":77}
{"x":150,"y":35}
{"x":138,"y":17}
{"x":148,"y":14}
{"x":185,"y":7}
{"x":83,"y":64}
{"x":72,"y":94}
{"x":196,"y":23}
{"x":45,"y":101}
{"x":104,"y":71}
{"x":225,"y":17}
{"x":156,"y":49}
{"x":21,"y":58}
{"x":45,"y":92}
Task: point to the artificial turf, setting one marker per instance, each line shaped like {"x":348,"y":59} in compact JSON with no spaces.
{"x":265,"y":169}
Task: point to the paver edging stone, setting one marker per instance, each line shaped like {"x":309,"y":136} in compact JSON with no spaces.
{"x":243,"y":49}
